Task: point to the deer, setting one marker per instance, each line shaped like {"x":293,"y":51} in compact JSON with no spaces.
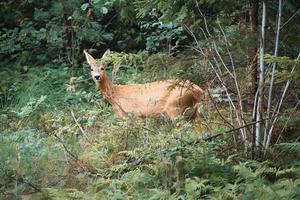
{"x":160,"y":99}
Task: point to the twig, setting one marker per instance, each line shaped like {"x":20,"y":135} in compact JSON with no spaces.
{"x":276,"y":114}
{"x":92,"y":171}
{"x":217,"y":70}
{"x":148,"y":129}
{"x":205,"y":22}
{"x":234,"y":77}
{"x":232,"y":130}
{"x":80,"y":128}
{"x":239,"y":115}
{"x":218,"y":111}
{"x":295,"y":13}
{"x":223,"y":133}
{"x":73,"y":156}
{"x":37,"y":188}
{"x":21,"y":179}
{"x":82,"y":131}
{"x":290,"y":114}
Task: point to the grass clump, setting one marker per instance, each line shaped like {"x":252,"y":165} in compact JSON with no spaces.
{"x":61,"y":140}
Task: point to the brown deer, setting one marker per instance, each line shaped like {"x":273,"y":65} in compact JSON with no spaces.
{"x":168,"y":98}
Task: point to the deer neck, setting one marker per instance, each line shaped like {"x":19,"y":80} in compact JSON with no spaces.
{"x":106,"y":87}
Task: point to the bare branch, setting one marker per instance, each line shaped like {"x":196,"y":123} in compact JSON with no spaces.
{"x":290,"y":114}
{"x":215,"y":106}
{"x":218,"y":72}
{"x":279,"y":105}
{"x":266,"y":135}
{"x":80,"y":128}
{"x":204,"y":18}
{"x":293,"y":15}
{"x":232,"y":130}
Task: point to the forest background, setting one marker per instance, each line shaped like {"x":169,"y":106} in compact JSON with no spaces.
{"x":60,"y":139}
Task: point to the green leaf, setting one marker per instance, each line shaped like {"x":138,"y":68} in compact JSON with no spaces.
{"x":117,"y":196}
{"x":56,"y":9}
{"x":104,"y":10}
{"x":84,"y":6}
{"x":108,"y":36}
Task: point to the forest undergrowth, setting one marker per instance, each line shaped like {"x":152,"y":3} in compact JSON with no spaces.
{"x":61,"y":140}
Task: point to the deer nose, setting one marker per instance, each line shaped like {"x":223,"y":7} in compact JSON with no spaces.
{"x":97,"y":77}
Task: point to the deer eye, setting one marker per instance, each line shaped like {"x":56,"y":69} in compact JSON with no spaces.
{"x":92,"y":69}
{"x":101,"y":68}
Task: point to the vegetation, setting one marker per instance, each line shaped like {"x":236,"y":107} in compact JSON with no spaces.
{"x":60,"y":139}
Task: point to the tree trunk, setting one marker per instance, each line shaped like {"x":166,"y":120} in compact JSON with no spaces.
{"x":260,"y":88}
{"x":253,"y":64}
{"x":267,"y":136}
{"x":253,"y":61}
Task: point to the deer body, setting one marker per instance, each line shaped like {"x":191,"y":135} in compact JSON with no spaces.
{"x":168,"y":98}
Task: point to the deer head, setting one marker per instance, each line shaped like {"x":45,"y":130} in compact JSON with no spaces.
{"x":97,"y":69}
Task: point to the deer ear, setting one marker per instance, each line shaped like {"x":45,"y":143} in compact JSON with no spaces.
{"x":106,"y":53}
{"x":89,"y":58}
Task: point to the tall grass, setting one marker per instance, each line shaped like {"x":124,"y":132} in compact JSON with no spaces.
{"x":45,"y":154}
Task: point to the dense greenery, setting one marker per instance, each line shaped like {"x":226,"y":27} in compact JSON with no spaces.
{"x":60,"y":139}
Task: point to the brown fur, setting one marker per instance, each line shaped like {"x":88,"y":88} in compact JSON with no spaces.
{"x":169,"y":98}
